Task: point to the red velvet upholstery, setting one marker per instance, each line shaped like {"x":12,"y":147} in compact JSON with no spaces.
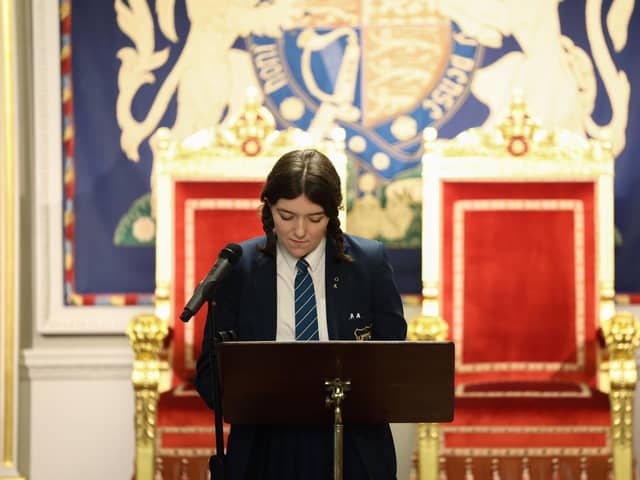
{"x":208,"y":215}
{"x":185,"y":423}
{"x":519,"y":279}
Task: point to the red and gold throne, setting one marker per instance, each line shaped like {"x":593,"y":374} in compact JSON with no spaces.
{"x":205,"y":194}
{"x":518,"y":270}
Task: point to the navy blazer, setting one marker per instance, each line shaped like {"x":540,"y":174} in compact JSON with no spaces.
{"x":362,"y":302}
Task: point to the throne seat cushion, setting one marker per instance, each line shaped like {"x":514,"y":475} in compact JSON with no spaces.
{"x":185,"y":424}
{"x":548,"y":418}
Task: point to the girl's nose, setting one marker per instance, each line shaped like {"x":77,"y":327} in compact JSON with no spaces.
{"x":300,"y":227}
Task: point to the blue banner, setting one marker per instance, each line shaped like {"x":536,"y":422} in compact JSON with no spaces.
{"x":383,"y":71}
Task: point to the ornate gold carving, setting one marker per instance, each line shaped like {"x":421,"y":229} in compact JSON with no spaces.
{"x":555,"y":469}
{"x":146,"y":334}
{"x":428,"y":326}
{"x":468,"y":468}
{"x":518,"y":127}
{"x":428,"y":440}
{"x":251,"y":128}
{"x":251,"y":133}
{"x":539,"y":152}
{"x":583,"y":468}
{"x":622,"y":336}
{"x":495,"y":469}
{"x":526,"y":472}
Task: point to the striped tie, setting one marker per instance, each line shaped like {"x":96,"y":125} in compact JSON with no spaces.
{"x":305,"y":302}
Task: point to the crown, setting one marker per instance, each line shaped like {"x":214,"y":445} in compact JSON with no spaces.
{"x":251,"y":127}
{"x":518,"y":126}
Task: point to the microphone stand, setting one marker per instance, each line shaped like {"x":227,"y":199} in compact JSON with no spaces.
{"x":217,"y":462}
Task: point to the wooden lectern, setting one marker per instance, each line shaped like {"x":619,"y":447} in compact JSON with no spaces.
{"x":360,"y":382}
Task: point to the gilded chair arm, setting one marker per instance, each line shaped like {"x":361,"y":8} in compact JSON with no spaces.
{"x":427,"y":328}
{"x":622,"y":336}
{"x":146,"y":334}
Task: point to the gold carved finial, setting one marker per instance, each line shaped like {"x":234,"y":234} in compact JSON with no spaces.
{"x":251,"y":127}
{"x":622,"y":335}
{"x":251,"y":132}
{"x":518,"y":127}
{"x":428,"y":325}
{"x":427,"y":328}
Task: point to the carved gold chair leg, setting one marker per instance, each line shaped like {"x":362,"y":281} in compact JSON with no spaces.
{"x":428,"y":458}
{"x":146,"y":334}
{"x":622,"y":336}
{"x":622,"y":424}
{"x":428,"y":327}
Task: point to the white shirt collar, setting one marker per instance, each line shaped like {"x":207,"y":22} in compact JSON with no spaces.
{"x":313,"y":258}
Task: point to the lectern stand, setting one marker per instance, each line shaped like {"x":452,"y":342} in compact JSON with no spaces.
{"x":367,"y":382}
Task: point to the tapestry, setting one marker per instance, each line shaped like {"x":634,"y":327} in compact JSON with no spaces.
{"x":382,"y":70}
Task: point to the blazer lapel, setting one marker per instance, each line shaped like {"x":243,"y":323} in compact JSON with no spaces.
{"x":264,"y":282}
{"x":337,"y":288}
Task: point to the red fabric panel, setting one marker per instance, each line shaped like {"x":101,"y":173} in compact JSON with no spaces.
{"x":525,"y":440}
{"x":183,"y":409}
{"x":519,"y":298}
{"x":571,"y":413}
{"x":511,"y":267}
{"x":541,"y":387}
{"x":213,"y":229}
{"x":188,"y":440}
{"x":591,"y":410}
{"x":185,"y":421}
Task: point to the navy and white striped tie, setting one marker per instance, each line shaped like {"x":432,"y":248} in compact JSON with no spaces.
{"x":305,"y":304}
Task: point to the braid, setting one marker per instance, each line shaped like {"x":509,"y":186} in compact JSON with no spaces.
{"x":307,"y":173}
{"x":334,"y":232}
{"x":269,"y":247}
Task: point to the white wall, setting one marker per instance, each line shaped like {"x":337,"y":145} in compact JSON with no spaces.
{"x":81,"y":411}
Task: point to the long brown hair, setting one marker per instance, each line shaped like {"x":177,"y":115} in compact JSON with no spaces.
{"x":304,"y":172}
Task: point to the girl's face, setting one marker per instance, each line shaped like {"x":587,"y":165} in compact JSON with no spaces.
{"x":299,"y":224}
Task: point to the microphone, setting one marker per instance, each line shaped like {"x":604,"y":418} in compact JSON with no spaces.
{"x":227,"y":258}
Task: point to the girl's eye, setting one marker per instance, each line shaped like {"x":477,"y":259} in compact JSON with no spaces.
{"x":316,"y":219}
{"x":286,"y":217}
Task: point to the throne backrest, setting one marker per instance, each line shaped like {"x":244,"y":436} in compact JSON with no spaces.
{"x":518,"y":250}
{"x":205,"y":194}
